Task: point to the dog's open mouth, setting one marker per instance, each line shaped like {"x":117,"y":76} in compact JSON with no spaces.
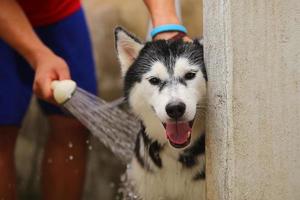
{"x":179,"y":133}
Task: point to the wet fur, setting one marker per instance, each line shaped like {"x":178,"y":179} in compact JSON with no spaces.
{"x":158,"y":170}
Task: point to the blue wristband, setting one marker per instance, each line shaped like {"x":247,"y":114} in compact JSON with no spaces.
{"x":167,"y":28}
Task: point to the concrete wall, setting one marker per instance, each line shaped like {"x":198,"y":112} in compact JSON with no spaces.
{"x":253,"y":60}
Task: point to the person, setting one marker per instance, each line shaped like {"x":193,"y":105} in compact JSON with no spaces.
{"x":42,"y":41}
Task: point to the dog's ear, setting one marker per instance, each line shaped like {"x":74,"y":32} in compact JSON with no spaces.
{"x":199,"y":40}
{"x":128,"y":48}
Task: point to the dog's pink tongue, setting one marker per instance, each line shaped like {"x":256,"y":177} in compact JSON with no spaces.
{"x":178,"y":132}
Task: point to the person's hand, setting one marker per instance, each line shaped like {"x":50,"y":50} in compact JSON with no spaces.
{"x":48,"y":67}
{"x":169,"y":35}
{"x":16,"y":30}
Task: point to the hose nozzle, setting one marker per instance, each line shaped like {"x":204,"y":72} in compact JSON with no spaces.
{"x":63,"y":90}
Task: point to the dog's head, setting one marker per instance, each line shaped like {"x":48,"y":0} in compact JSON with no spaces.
{"x":165,"y":83}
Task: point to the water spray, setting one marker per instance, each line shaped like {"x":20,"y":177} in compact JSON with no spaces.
{"x":116,"y":128}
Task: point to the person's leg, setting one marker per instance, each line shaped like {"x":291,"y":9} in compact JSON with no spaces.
{"x":8,"y":135}
{"x":63,"y":168}
{"x":65,"y":152}
{"x":15,"y":93}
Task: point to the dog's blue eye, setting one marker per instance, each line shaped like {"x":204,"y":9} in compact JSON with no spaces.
{"x":189,"y":75}
{"x":154,"y":81}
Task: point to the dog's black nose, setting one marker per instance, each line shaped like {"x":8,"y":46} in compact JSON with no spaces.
{"x":175,"y":110}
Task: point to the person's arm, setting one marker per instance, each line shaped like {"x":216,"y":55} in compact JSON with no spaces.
{"x":16,"y":30}
{"x":163,"y":12}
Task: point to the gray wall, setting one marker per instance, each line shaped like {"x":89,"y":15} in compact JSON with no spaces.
{"x":253,"y":60}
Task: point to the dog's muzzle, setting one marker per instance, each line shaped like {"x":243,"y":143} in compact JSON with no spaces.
{"x":179,"y":133}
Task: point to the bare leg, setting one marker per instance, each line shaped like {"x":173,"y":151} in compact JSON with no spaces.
{"x":8,"y":136}
{"x":64,"y":162}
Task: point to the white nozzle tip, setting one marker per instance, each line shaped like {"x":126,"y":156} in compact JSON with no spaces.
{"x":63,"y":90}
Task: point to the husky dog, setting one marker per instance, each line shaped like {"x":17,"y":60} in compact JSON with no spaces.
{"x":165,"y":86}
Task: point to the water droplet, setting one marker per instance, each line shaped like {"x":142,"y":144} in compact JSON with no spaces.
{"x":90,"y":147}
{"x":123,"y":178}
{"x":112,"y":185}
{"x":87,"y":141}
{"x":71,"y":157}
{"x":70,"y":145}
{"x":120,"y":190}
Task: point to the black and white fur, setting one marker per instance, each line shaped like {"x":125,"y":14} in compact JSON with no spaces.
{"x":160,"y":171}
